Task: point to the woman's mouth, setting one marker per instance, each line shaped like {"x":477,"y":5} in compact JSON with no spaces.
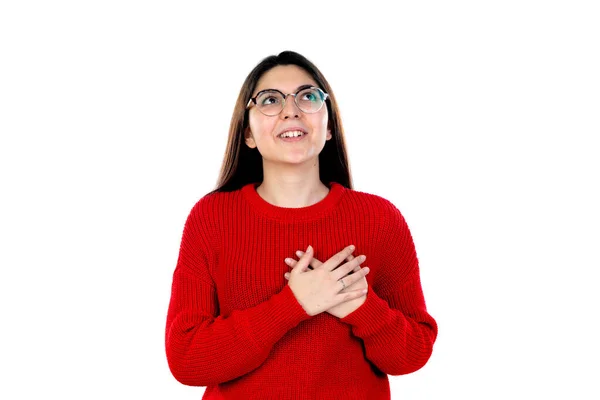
{"x":292,"y":136}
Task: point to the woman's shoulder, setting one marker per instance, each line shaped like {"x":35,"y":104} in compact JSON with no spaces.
{"x":371,"y":200}
{"x":379,"y":210}
{"x":213,"y":203}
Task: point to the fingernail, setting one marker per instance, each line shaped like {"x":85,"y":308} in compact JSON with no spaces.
{"x":288,"y":260}
{"x":366,"y":270}
{"x":309,"y":248}
{"x":352,"y":247}
{"x":299,"y":253}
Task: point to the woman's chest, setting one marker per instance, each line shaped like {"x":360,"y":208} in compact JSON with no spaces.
{"x":251,"y":266}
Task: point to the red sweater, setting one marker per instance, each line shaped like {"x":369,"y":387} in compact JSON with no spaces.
{"x":234,"y":325}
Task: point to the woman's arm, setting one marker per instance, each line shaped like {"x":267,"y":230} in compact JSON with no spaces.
{"x":202,"y":347}
{"x":397,"y":331}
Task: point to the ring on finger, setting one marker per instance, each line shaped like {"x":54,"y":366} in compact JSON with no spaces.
{"x":343,"y":284}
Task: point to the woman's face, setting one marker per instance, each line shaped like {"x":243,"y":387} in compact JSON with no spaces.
{"x":263,"y":130}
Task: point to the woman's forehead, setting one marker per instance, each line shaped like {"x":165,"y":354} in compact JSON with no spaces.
{"x":286,"y":78}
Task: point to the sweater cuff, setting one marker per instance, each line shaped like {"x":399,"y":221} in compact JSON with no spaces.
{"x":370,"y":317}
{"x":273,"y":318}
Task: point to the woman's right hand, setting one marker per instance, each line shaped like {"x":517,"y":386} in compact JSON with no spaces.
{"x":319,"y":289}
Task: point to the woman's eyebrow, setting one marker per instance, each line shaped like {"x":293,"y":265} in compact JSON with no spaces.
{"x":298,"y":88}
{"x":304,"y":87}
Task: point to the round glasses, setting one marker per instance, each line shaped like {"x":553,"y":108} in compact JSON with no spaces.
{"x":271,"y":101}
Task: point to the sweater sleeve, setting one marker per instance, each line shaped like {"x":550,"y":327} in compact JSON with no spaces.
{"x":203,"y":347}
{"x":393,"y":322}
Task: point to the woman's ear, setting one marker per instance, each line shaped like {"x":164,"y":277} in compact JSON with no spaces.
{"x":329,"y":136}
{"x":248,"y":138}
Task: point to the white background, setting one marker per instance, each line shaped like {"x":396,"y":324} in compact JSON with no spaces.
{"x":477,"y":119}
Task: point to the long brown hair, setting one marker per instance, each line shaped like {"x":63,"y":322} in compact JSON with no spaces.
{"x":243,"y":165}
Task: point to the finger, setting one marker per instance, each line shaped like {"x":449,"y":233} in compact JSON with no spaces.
{"x":349,"y":258}
{"x":315,"y":263}
{"x":304,"y":261}
{"x":351,"y":285}
{"x":344,"y":269}
{"x":354,"y":270}
{"x":334,"y":261}
{"x":299,"y":253}
{"x":351,"y":295}
{"x":286,"y":275}
{"x":292,"y":263}
{"x":352,"y":279}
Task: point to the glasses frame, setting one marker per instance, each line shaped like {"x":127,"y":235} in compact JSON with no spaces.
{"x":252,"y":101}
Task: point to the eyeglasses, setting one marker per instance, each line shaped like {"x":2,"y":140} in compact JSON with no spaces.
{"x":271,"y":101}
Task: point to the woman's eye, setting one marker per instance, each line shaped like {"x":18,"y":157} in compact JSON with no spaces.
{"x":269,"y":100}
{"x":310,"y":96}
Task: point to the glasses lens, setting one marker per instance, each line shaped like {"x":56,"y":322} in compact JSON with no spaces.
{"x":310,"y":100}
{"x":269,"y":102}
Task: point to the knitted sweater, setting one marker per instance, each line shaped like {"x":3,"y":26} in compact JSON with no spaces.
{"x":235,"y":326}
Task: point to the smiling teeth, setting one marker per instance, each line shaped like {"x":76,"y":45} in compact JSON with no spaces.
{"x":291,"y":134}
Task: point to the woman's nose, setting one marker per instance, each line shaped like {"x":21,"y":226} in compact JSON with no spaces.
{"x":290,"y":108}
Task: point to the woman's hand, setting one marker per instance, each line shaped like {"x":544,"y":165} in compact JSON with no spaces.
{"x":357,"y":275}
{"x":319,"y":290}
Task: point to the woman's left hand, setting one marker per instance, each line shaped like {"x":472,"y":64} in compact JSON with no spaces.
{"x":342,"y":309}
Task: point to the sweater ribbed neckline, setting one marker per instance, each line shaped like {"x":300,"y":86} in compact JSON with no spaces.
{"x":317,"y":210}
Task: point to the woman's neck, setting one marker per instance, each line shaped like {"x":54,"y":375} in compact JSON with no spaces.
{"x":292,"y":194}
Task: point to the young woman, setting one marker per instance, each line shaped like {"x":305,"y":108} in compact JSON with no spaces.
{"x":268,"y":298}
